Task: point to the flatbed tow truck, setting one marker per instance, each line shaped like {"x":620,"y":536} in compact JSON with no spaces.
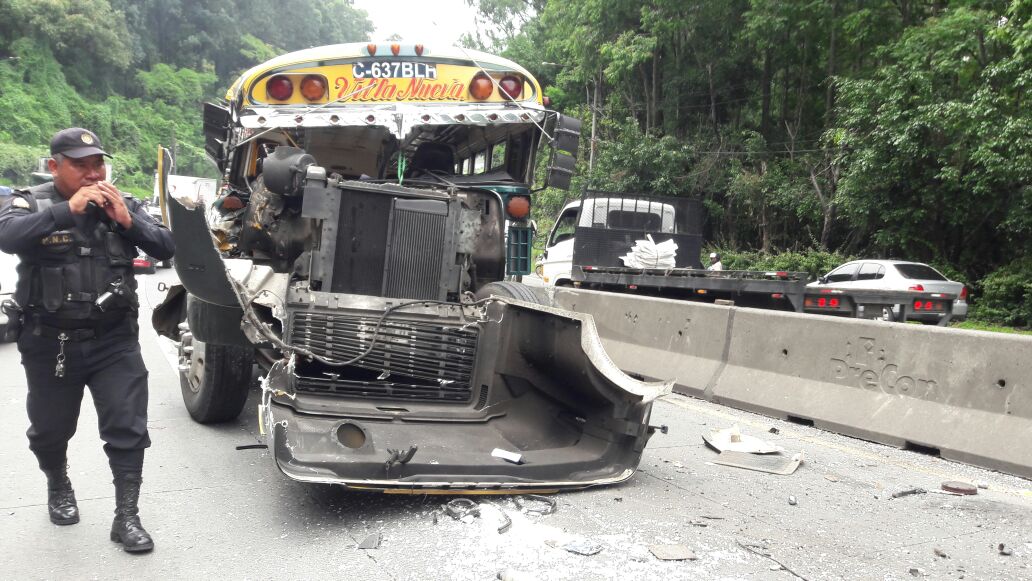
{"x":584,"y":250}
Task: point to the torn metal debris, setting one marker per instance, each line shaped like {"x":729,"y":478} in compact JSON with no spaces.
{"x":548,"y":508}
{"x":768,"y":464}
{"x":909,"y":492}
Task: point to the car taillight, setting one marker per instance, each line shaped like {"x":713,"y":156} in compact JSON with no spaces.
{"x":963,"y":293}
{"x":518,"y":207}
{"x":313,"y":87}
{"x":279,"y":87}
{"x":511,"y":87}
{"x":481,"y":87}
{"x":917,"y":287}
{"x":141,"y":262}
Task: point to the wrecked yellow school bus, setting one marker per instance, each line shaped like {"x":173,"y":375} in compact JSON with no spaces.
{"x":373,"y":213}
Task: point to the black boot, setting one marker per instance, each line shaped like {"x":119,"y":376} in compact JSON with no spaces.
{"x":61,"y":497}
{"x":127,"y":528}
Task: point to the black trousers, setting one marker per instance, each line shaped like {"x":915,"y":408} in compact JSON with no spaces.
{"x":111,"y":365}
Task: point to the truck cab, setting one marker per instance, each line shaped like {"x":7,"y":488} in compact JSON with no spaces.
{"x":603,"y":216}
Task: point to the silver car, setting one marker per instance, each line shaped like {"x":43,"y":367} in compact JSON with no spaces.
{"x":898,"y":275}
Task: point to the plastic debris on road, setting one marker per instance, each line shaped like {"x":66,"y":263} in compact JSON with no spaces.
{"x":733,"y":440}
{"x":371,"y":542}
{"x":673,"y":553}
{"x":583,"y":547}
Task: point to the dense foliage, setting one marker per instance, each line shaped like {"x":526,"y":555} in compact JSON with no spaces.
{"x":137,"y":72}
{"x":873,"y":128}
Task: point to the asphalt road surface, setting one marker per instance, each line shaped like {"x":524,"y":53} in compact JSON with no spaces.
{"x":219,"y":512}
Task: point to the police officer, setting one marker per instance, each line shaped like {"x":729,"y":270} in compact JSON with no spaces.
{"x":77,"y":237}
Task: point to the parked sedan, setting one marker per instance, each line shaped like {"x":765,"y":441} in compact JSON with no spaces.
{"x":897,"y":275}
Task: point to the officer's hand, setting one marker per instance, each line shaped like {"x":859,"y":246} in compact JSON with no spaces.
{"x":114,"y":205}
{"x":79,"y":201}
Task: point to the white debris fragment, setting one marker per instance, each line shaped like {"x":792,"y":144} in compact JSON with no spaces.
{"x":733,"y":440}
{"x":507,"y":456}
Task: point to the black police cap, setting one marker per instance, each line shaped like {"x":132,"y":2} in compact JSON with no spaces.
{"x":76,"y":142}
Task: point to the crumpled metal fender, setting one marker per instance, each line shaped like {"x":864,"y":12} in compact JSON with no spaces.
{"x":526,"y":347}
{"x":197,"y":263}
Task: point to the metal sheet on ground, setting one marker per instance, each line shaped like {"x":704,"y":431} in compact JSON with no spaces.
{"x":219,"y":512}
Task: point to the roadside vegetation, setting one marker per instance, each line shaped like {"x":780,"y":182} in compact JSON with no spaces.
{"x":813,"y":131}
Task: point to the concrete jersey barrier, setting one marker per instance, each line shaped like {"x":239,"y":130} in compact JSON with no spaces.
{"x":961,"y":394}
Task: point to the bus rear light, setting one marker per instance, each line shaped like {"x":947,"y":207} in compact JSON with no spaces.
{"x":518,"y":207}
{"x":313,"y":87}
{"x":833,"y":302}
{"x":511,"y":87}
{"x":481,"y":87}
{"x":279,"y":87}
{"x":917,"y":287}
{"x":371,"y":49}
{"x":777,"y":296}
{"x":419,"y":50}
{"x":395,"y":49}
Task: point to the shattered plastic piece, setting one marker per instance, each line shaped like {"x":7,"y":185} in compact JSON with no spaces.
{"x":769,"y":464}
{"x":831,"y":478}
{"x":1004,"y":550}
{"x":584,"y":547}
{"x":514,"y":575}
{"x":774,"y":430}
{"x":540,"y":511}
{"x":371,"y":542}
{"x":506,"y":521}
{"x":940,"y":553}
{"x":908,"y":492}
{"x":673,"y":553}
{"x":792,"y":500}
{"x":732,"y":440}
{"x":957,"y":487}
{"x":918,"y":572}
{"x":507,"y":456}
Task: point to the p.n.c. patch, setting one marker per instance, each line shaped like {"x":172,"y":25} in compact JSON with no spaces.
{"x":22,"y":203}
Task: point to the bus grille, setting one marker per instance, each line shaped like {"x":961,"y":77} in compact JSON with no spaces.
{"x":411,"y":360}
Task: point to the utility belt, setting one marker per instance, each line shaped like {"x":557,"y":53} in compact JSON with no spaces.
{"x":77,"y":329}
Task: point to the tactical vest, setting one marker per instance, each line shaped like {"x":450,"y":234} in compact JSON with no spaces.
{"x":63,"y":276}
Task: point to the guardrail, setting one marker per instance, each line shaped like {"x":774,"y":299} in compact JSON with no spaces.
{"x":963,"y":395}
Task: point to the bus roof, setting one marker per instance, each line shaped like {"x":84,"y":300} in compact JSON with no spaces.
{"x":340,"y":54}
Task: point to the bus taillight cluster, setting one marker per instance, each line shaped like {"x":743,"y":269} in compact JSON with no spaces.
{"x":482,"y":87}
{"x":281,"y":87}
